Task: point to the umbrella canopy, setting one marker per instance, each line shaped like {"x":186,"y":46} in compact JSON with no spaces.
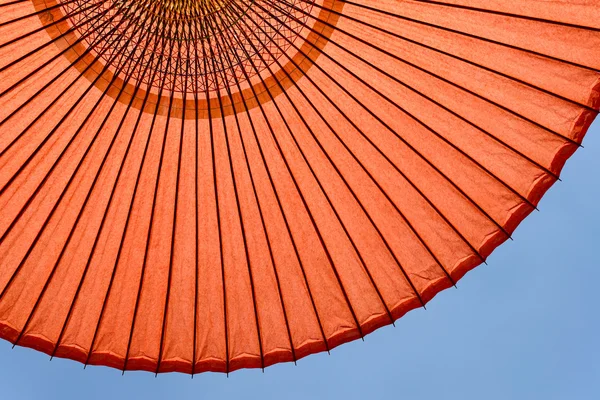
{"x":208,"y":185}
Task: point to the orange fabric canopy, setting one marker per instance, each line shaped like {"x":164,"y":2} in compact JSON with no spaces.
{"x":208,"y":185}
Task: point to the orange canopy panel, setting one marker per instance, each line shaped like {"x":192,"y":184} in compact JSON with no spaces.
{"x":208,"y":185}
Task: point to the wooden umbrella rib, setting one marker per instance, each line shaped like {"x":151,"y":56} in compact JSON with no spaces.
{"x":40,"y":11}
{"x":116,"y":6}
{"x":55,"y":207}
{"x":367,"y":172}
{"x":399,"y":171}
{"x":45,"y":27}
{"x":263,"y":224}
{"x":87,"y":32}
{"x":173,"y":231}
{"x":197,"y":189}
{"x":216,"y":194}
{"x":128,"y":219}
{"x":231,"y":170}
{"x":363,"y":264}
{"x":12,"y":3}
{"x":170,"y":273}
{"x":437,"y":134}
{"x":512,"y":15}
{"x":390,"y":201}
{"x":101,"y":227}
{"x":154,"y":196}
{"x":69,"y":31}
{"x":504,"y":108}
{"x":54,"y":101}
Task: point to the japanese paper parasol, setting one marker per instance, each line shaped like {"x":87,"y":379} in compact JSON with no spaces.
{"x":208,"y":185}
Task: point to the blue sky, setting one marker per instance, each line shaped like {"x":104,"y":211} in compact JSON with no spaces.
{"x":524,"y":327}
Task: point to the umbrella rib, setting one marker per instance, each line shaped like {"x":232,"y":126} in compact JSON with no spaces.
{"x":119,"y":252}
{"x":507,"y":14}
{"x":344,"y":48}
{"x":197,"y":189}
{"x":72,"y":29}
{"x":259,"y":205}
{"x":304,"y":202}
{"x":391,"y":202}
{"x":498,"y":225}
{"x":215,"y":189}
{"x":55,"y":78}
{"x":154,"y":196}
{"x":87,"y":198}
{"x":12,"y":3}
{"x":391,"y":14}
{"x":173,"y":231}
{"x":58,"y":21}
{"x":40,"y":11}
{"x":479,"y":165}
{"x":239,"y":211}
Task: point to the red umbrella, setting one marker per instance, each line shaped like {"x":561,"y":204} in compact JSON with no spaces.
{"x":211,"y":185}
